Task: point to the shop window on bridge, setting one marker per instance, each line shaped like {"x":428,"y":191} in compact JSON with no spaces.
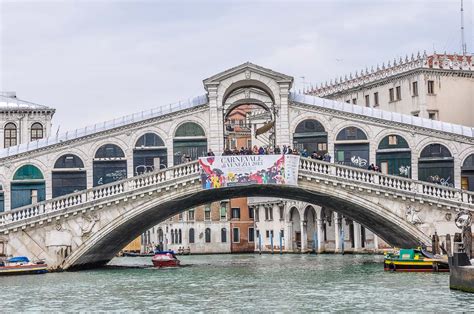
{"x":393,"y":156}
{"x":467,"y":174}
{"x":37,"y":132}
{"x":2,"y":199}
{"x":149,"y":154}
{"x":109,"y":165}
{"x":352,"y":148}
{"x":68,"y":176}
{"x":436,"y":165}
{"x":189,"y":143}
{"x":27,"y":187}
{"x":310,"y":135}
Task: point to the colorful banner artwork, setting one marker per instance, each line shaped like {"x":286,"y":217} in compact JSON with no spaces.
{"x":226,"y":171}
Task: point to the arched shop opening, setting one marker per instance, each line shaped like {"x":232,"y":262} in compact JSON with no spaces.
{"x":2,"y":199}
{"x":311,"y":135}
{"x":394,"y":156}
{"x":296,"y":228}
{"x":68,"y":176}
{"x":109,"y":165}
{"x":467,"y":173}
{"x":436,"y":165}
{"x":311,"y":231}
{"x":149,"y":154}
{"x":189,"y":143}
{"x":27,"y":186}
{"x":352,"y":148}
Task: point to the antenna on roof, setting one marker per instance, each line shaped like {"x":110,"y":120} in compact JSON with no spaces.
{"x":463,"y":43}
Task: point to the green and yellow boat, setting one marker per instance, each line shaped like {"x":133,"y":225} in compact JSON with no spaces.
{"x":414,"y":260}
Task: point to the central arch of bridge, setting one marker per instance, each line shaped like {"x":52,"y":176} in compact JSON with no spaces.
{"x":107,"y":242}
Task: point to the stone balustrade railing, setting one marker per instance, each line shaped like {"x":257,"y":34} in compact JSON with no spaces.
{"x":100,"y":192}
{"x":310,"y":167}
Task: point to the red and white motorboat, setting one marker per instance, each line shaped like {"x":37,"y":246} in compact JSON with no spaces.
{"x":165,"y":259}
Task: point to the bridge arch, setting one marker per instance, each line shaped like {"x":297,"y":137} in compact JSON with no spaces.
{"x":436,"y":165}
{"x":149,"y":153}
{"x":310,"y":134}
{"x":28,"y":186}
{"x":467,"y":173}
{"x":109,"y":164}
{"x":189,"y":142}
{"x":393,"y":156}
{"x":352,"y":147}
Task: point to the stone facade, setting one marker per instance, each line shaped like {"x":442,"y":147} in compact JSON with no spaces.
{"x":437,"y":86}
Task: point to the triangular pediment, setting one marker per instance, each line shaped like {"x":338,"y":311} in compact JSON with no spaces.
{"x":247,"y":66}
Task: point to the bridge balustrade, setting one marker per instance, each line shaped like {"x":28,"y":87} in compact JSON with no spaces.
{"x":309,"y":167}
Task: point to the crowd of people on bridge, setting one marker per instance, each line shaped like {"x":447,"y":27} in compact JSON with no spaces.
{"x":269,"y":150}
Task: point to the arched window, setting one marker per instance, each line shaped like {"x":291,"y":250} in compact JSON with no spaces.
{"x":172,"y":236}
{"x":394,"y":156}
{"x":351,"y":134}
{"x":189,"y":143}
{"x":467,"y":174}
{"x":180,"y":237}
{"x":149,"y":154}
{"x":310,"y":135}
{"x":353,"y":148}
{"x":189,"y":129}
{"x":10,"y":135}
{"x":436,"y":165}
{"x":27,"y":187}
{"x":109,"y":165}
{"x":223,"y":235}
{"x":37,"y":131}
{"x":208,"y":235}
{"x":68,"y":176}
{"x":191,"y":235}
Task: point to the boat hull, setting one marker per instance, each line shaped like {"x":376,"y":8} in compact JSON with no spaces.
{"x":415,"y":266}
{"x":171,"y":263}
{"x":23,"y":270}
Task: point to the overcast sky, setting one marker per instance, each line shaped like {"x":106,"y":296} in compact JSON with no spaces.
{"x":97,"y":60}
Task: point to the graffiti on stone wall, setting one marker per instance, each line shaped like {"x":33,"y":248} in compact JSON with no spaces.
{"x":436,"y":179}
{"x":404,"y":171}
{"x":115,"y":176}
{"x":358,"y":161}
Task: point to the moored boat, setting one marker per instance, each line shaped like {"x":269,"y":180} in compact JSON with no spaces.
{"x":165,"y":259}
{"x":414,"y":260}
{"x":21,"y":265}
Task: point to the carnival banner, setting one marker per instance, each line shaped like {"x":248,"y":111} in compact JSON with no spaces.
{"x":234,"y":170}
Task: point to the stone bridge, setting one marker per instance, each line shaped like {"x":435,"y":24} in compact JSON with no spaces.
{"x":88,"y":228}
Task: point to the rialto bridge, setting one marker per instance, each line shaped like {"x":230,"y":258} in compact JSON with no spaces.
{"x":76,"y":199}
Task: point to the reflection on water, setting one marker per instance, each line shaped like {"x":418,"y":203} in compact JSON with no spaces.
{"x":237,"y":283}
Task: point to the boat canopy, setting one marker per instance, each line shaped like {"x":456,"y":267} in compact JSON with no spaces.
{"x":18,"y":259}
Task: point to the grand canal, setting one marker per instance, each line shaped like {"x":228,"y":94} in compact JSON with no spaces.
{"x":237,"y":283}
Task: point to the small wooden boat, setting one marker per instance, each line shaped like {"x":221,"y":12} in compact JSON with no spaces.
{"x":414,"y":260}
{"x":165,"y":259}
{"x":21,"y":265}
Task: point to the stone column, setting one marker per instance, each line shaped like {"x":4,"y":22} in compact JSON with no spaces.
{"x":414,"y":164}
{"x":357,"y":237}
{"x":289,"y":237}
{"x":337,"y":232}
{"x":304,"y":236}
{"x":216,"y":124}
{"x":376,"y":242}
{"x":319,"y":231}
{"x":282,"y":119}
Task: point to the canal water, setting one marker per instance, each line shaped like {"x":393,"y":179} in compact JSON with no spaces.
{"x":237,"y":283}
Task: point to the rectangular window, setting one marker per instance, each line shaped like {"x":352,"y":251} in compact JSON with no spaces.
{"x":258,"y":233}
{"x":367,"y":101}
{"x":191,"y":215}
{"x":251,"y":235}
{"x":207,"y":213}
{"x":376,"y":99}
{"x":249,"y":143}
{"x":432,"y":115}
{"x":431,"y":87}
{"x":223,"y":212}
{"x":281,"y":212}
{"x":267,"y":233}
{"x":235,"y":235}
{"x":251,"y":213}
{"x":322,"y":147}
{"x":348,"y":101}
{"x":282,"y":233}
{"x":235,"y":213}
{"x":354,"y":101}
{"x":414,"y":88}
{"x":391,"y":95}
{"x":398,"y":91}
{"x":180,"y":216}
{"x":464,"y":184}
{"x":392,"y":140}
